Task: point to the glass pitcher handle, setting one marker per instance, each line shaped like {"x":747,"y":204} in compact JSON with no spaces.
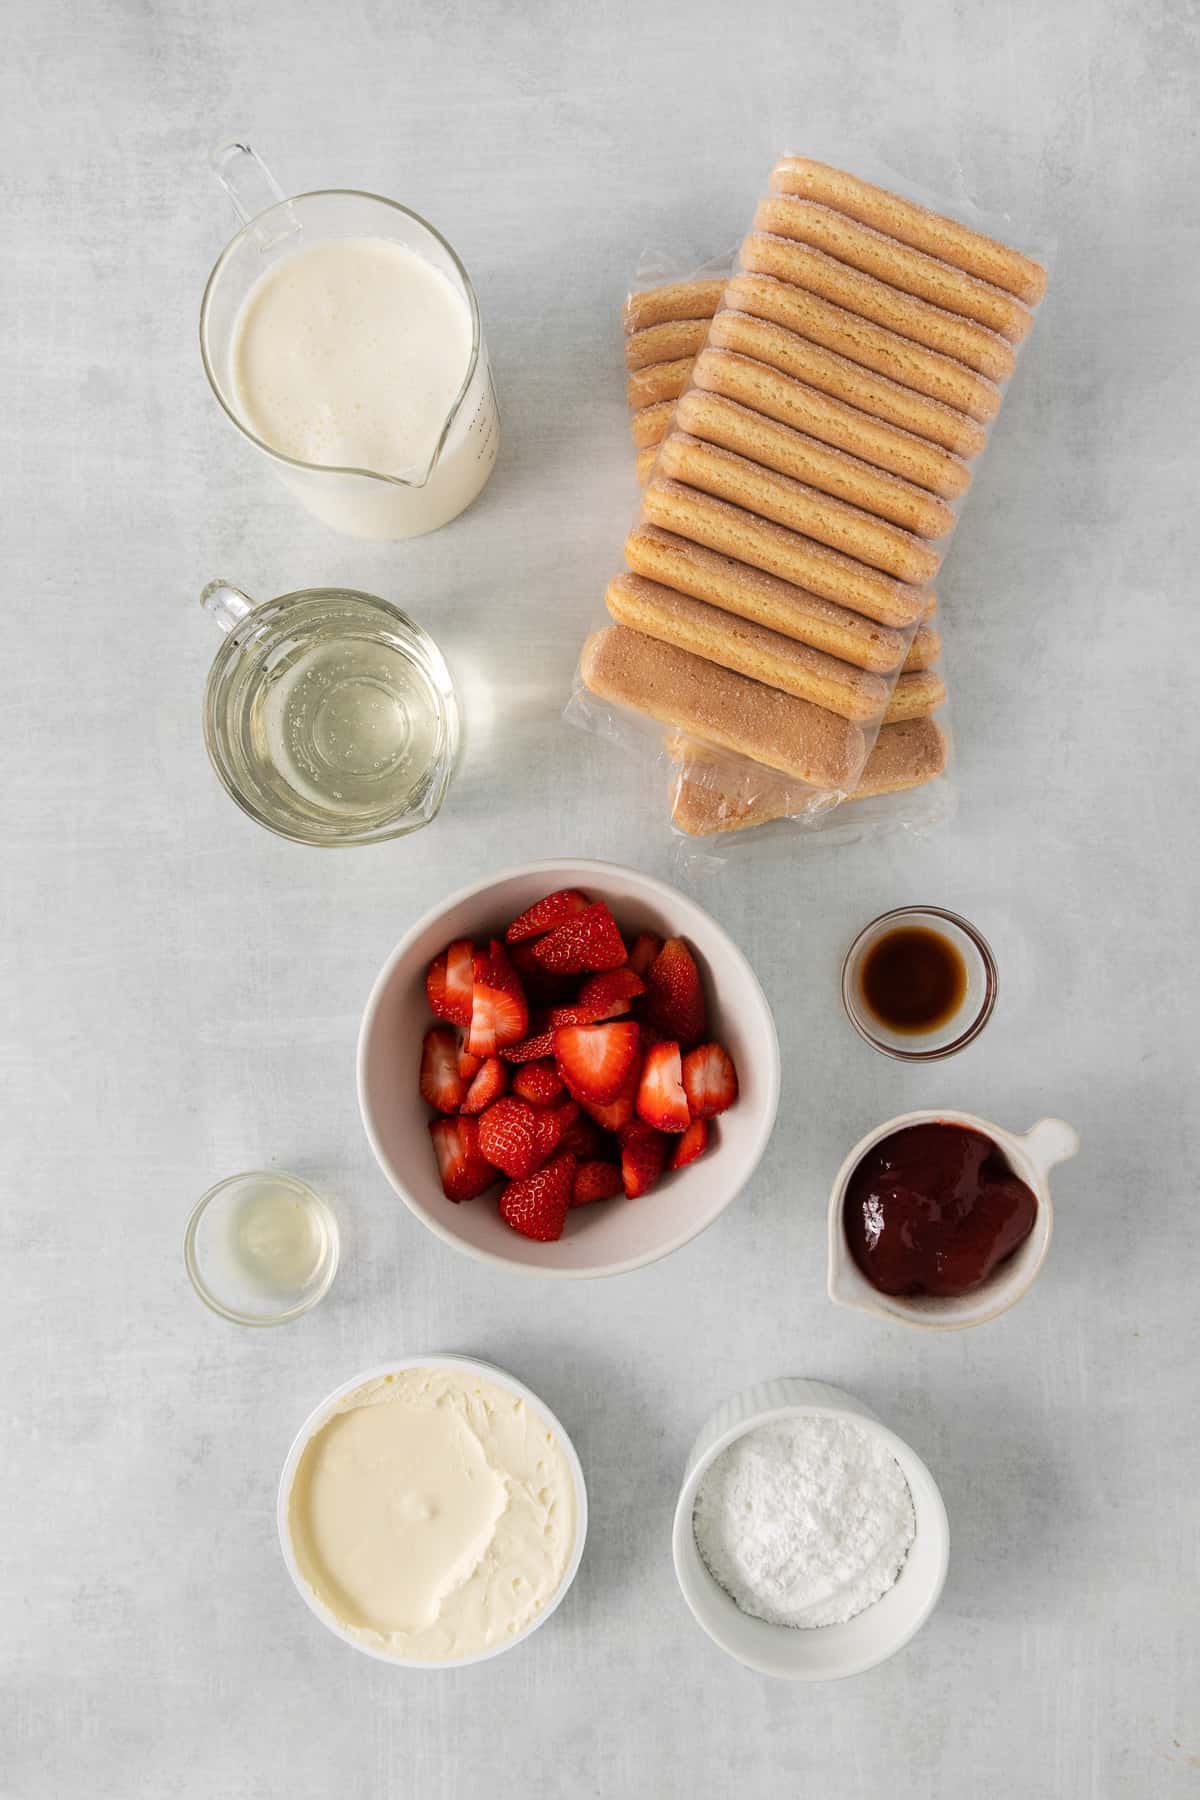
{"x":226,"y":604}
{"x":254,"y":192}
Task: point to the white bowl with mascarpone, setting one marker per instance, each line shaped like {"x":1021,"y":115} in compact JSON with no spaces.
{"x":432,"y":1512}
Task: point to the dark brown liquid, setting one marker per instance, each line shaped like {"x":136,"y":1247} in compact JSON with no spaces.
{"x":913,"y":979}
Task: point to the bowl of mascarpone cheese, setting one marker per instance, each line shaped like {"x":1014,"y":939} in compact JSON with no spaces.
{"x":432,"y":1512}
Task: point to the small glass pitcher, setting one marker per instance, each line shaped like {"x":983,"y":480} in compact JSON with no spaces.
{"x":330,"y":716}
{"x":360,"y":502}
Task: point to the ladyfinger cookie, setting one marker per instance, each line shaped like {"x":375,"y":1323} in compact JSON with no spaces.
{"x":765,"y":599}
{"x":668,"y":342}
{"x":924,"y":650}
{"x":697,"y":299}
{"x":767,"y":656}
{"x":911,"y":224}
{"x":644,"y":466}
{"x":748,"y":432}
{"x":659,"y":381}
{"x":871,"y":542}
{"x":723,"y":708}
{"x":648,"y":425}
{"x":913,"y":461}
{"x":750,"y":334}
{"x":904,"y":756}
{"x":960,"y":339}
{"x":901,"y":267}
{"x":722,"y":637}
{"x":735,"y":532}
{"x":871,"y":345}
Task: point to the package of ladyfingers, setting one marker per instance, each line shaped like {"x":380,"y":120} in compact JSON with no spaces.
{"x":806,"y":426}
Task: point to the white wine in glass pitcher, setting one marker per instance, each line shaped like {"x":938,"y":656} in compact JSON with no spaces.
{"x":329,"y":715}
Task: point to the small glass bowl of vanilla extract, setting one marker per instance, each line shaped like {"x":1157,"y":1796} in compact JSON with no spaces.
{"x":919,"y":983}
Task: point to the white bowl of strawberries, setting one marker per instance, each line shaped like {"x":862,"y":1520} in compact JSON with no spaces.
{"x":569,"y":1068}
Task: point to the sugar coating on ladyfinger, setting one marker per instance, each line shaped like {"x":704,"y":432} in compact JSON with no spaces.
{"x":912,"y":224}
{"x":737,"y":587}
{"x":873,"y":253}
{"x":723,"y":708}
{"x":698,"y":299}
{"x":735,"y":531}
{"x":669,"y":342}
{"x":659,"y":381}
{"x":802,"y":267}
{"x":745,"y":431}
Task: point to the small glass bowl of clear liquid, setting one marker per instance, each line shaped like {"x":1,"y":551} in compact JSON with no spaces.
{"x":261,"y":1248}
{"x":330,"y":716}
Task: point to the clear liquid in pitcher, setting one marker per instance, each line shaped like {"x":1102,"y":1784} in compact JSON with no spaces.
{"x":333,"y":718}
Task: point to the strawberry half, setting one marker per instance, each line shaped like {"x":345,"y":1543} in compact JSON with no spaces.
{"x":603,"y":996}
{"x":596,"y":1181}
{"x":674,"y":997}
{"x":589,"y":941}
{"x":596,"y":1061}
{"x":709,"y":1081}
{"x":646,"y":947}
{"x":692,"y":1144}
{"x":617,"y":1112}
{"x":536,"y":1206}
{"x":441,"y":1083}
{"x":538,"y":1082}
{"x":545,"y":915}
{"x":553,"y":1123}
{"x":463,"y":1169}
{"x":487,"y":1086}
{"x":449,"y":981}
{"x":499,"y":1011}
{"x":661,"y":1101}
{"x":643,"y":1157}
{"x":511,"y":1138}
{"x":468,"y":1065}
{"x":585,"y":1140}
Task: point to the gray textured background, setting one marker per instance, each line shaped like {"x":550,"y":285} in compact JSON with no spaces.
{"x":181,"y":991}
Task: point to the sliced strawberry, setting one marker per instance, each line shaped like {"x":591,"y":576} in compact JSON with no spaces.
{"x":661,"y":1101}
{"x":511,"y":1138}
{"x":536,"y":1206}
{"x":709,"y":1081}
{"x":692,"y":1144}
{"x":553,"y":1123}
{"x":590,"y":941}
{"x":538,"y":1082}
{"x":646,"y":947}
{"x":441,"y":1083}
{"x":461,"y":1165}
{"x":604,"y":996}
{"x":618,"y":1112}
{"x":674,"y":997}
{"x":449,"y":982}
{"x":531,"y":1049}
{"x":650,"y":1037}
{"x":499,"y":1012}
{"x":488,"y":1085}
{"x":545,"y":914}
{"x":595,"y":1061}
{"x":644,"y":1154}
{"x":468,"y":1065}
{"x":596,"y":1181}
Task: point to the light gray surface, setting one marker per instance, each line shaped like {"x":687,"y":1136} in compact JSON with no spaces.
{"x":181,"y":991}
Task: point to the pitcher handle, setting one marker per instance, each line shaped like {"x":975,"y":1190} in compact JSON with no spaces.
{"x":226,"y":604}
{"x":254,"y":191}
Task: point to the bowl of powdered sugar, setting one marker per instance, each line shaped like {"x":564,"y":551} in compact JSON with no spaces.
{"x":810,"y":1541}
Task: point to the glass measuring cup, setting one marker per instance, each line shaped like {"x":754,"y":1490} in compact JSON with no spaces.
{"x":329,"y":715}
{"x":362,"y":502}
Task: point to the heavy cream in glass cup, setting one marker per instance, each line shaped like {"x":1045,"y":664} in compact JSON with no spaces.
{"x":329,"y":715}
{"x":341,"y":335}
